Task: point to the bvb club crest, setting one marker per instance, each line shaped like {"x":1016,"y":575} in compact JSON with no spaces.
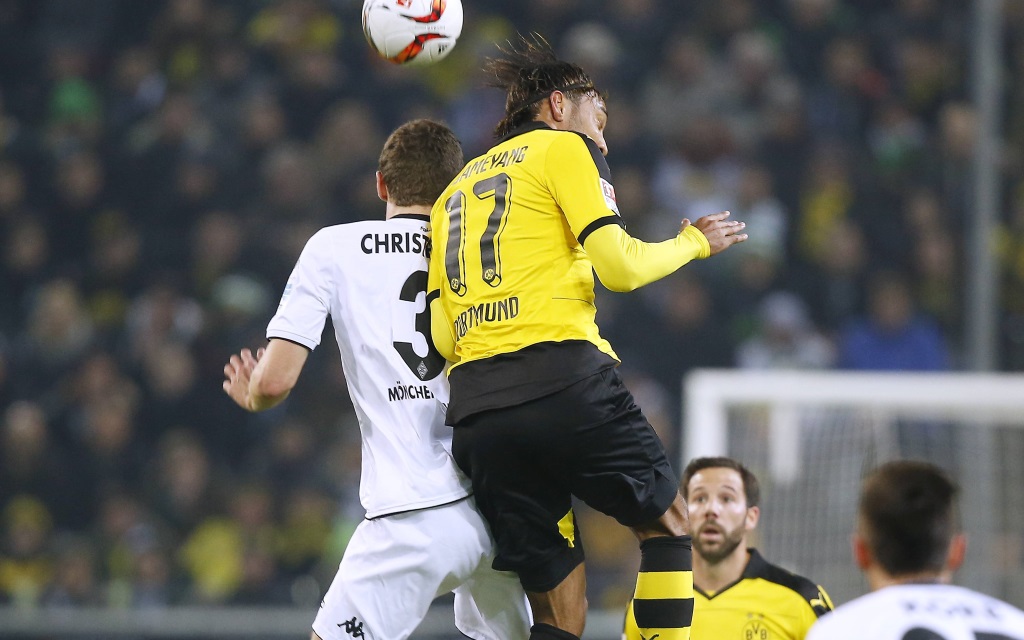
{"x":756,"y":628}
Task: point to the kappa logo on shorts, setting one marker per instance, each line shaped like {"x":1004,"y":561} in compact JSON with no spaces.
{"x":353,"y":628}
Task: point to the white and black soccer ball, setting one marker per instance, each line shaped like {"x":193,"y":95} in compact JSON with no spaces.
{"x":412,"y":32}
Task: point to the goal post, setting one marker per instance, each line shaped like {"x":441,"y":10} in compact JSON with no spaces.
{"x":810,"y":436}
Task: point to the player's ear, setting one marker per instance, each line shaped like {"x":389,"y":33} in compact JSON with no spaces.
{"x":957,"y":551}
{"x":382,"y":189}
{"x":753,"y":516}
{"x":861,"y":552}
{"x":556,"y":101}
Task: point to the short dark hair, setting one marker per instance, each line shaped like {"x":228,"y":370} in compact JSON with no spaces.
{"x":528,"y":72}
{"x":418,"y":161}
{"x":907,"y":514}
{"x":751,"y":487}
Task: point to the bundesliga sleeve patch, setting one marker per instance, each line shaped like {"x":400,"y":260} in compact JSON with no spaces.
{"x":609,"y":196}
{"x":288,"y":289}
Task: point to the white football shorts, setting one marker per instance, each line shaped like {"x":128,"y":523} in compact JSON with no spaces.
{"x":396,"y":565}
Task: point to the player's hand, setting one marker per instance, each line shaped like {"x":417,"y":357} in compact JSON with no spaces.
{"x":237,"y":372}
{"x":720,"y":232}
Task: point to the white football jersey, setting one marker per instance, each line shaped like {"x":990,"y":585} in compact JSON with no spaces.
{"x":371,"y":278}
{"x":922,"y":612}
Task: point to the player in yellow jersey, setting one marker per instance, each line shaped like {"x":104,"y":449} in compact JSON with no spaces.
{"x":738,"y":595}
{"x":539,"y":411}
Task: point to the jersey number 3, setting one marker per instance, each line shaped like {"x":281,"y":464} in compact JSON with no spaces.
{"x":498,"y":187}
{"x":426,"y":367}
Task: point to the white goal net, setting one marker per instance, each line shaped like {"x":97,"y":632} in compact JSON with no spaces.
{"x":811,"y":436}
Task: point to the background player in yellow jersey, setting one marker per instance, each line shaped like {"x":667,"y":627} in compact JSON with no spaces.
{"x":738,"y":595}
{"x":539,"y":411}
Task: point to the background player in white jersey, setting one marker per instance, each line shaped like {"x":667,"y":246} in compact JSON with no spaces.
{"x":422,"y":536}
{"x":908,"y":547}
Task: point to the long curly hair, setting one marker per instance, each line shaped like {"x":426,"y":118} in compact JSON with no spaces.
{"x":528,"y":71}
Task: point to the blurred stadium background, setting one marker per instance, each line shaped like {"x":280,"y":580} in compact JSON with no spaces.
{"x":162,"y":163}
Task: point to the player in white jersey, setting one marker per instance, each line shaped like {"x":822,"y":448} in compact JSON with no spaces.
{"x":908,"y":546}
{"x":422,"y":536}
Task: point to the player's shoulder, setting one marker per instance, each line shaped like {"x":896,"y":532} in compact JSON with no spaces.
{"x":325,"y":234}
{"x":808,"y":590}
{"x":575,"y":139}
{"x":332,"y":244}
{"x":335,"y":232}
{"x":970,"y":598}
{"x":848,"y":620}
{"x":570,"y":150}
{"x":348,"y":228}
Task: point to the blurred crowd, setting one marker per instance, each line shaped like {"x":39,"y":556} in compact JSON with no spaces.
{"x":163,"y":162}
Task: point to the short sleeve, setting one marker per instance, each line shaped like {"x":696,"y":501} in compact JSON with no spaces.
{"x":306,"y":301}
{"x":579,"y":179}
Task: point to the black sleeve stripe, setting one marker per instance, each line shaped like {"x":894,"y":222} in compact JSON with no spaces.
{"x":597,"y":156}
{"x":292,"y":341}
{"x":671,"y":613}
{"x":436,"y":293}
{"x":597,"y":224}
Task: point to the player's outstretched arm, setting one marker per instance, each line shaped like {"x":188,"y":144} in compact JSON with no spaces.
{"x":624,"y":263}
{"x":262,"y":381}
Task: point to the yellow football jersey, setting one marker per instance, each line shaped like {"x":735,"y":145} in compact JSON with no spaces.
{"x":507,"y":239}
{"x":510,"y":286}
{"x":767,"y":603}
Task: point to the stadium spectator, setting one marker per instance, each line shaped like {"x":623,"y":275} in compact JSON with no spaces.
{"x":834,"y":291}
{"x":26,"y":556}
{"x":34,"y":462}
{"x":76,"y":581}
{"x":893,"y":336}
{"x":785,"y":338}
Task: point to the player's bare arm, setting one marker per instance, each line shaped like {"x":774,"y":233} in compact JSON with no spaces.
{"x":259,"y":382}
{"x":721,"y":232}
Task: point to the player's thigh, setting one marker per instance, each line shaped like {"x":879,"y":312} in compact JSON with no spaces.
{"x":491,"y":605}
{"x":620,"y":464}
{"x":518,"y":467}
{"x":420,"y":555}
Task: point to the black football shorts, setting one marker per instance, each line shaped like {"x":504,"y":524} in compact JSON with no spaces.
{"x":527,"y":461}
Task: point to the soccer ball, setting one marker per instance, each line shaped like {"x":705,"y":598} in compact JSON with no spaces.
{"x":412,"y":32}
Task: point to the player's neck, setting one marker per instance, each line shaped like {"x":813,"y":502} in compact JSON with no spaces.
{"x":415,"y":209}
{"x":713,"y":577}
{"x":548,"y":120}
{"x":879,"y":579}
